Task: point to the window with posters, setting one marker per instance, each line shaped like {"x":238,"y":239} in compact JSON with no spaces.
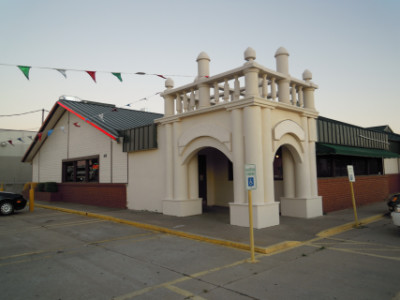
{"x":84,"y":169}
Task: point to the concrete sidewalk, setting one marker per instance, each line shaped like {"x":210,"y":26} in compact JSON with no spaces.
{"x":213,"y":225}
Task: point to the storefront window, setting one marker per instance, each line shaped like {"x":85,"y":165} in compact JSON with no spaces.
{"x":81,"y":170}
{"x":336,"y":166}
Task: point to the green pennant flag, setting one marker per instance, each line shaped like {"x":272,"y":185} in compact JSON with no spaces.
{"x":118,"y":75}
{"x":25,"y":70}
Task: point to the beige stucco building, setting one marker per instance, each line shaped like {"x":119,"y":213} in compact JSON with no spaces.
{"x":194,"y":156}
{"x":211,"y":129}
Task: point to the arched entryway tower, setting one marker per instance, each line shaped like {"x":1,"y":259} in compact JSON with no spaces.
{"x":203,"y":153}
{"x":299,"y":190}
{"x":246,"y":114}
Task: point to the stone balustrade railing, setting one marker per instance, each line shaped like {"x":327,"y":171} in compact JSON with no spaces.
{"x":249,"y":80}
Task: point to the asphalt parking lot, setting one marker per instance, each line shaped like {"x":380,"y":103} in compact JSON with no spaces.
{"x":51,"y":254}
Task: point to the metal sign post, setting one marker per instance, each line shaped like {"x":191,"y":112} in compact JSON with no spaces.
{"x":251,"y":184}
{"x":352,"y":178}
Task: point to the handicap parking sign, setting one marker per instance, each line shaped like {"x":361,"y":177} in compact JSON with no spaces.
{"x":250,"y":174}
{"x":250,"y":181}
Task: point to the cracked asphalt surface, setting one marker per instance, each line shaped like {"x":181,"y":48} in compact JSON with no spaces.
{"x":56,"y":255}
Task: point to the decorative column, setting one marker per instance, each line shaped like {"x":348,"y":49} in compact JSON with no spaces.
{"x":180,"y":170}
{"x":312,"y":156}
{"x":239,"y":192}
{"x":308,"y":92}
{"x":193,"y":171}
{"x":282,"y":66}
{"x":181,"y":204}
{"x":168,"y":151}
{"x":269,"y":188}
{"x":251,"y":74}
{"x":203,"y":71}
{"x":169,"y":99}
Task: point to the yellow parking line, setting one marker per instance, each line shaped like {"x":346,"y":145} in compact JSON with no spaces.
{"x":127,"y":237}
{"x":348,"y":226}
{"x":184,"y":293}
{"x":66,"y":224}
{"x":366,"y":254}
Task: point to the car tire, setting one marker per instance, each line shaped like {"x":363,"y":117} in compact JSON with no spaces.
{"x":6,"y":208}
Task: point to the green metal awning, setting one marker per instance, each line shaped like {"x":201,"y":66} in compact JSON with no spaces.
{"x":326,"y":149}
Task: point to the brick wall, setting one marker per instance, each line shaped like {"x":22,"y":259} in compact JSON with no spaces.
{"x":394,"y":183}
{"x":102,"y":194}
{"x":336,"y":193}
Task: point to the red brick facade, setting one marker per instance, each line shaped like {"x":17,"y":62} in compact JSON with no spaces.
{"x":98,"y":194}
{"x":336,"y":192}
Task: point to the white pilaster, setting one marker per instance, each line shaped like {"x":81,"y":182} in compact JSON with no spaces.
{"x":269,"y":193}
{"x":239,"y":191}
{"x":169,"y":171}
{"x":253,"y":147}
{"x":193,"y":169}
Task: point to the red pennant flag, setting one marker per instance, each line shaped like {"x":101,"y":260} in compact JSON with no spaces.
{"x":40,"y":136}
{"x":92,"y":74}
{"x":10,"y":142}
{"x":161,"y":76}
{"x":77,"y":124}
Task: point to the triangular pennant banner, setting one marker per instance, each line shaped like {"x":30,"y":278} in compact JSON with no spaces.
{"x":40,"y":136}
{"x":92,"y":74}
{"x":101,"y":116}
{"x":63,"y":72}
{"x":50,"y":132}
{"x":118,"y":75}
{"x":25,"y":70}
{"x":21,"y":140}
{"x":10,"y":142}
{"x":160,"y":76}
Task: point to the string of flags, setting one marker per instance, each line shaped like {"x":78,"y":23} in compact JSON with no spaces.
{"x":26,"y":72}
{"x":12,"y":142}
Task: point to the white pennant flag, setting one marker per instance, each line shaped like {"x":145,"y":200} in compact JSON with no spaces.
{"x":63,"y":72}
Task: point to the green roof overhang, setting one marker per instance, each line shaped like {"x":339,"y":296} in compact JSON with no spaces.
{"x":329,"y":149}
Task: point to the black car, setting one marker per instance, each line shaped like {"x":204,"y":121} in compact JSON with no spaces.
{"x":393,"y":200}
{"x":10,"y":202}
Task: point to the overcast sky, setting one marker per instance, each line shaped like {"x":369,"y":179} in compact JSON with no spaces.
{"x":352,"y":48}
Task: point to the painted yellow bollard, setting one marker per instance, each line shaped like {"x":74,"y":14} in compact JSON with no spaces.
{"x":32,"y":197}
{"x":1,"y":187}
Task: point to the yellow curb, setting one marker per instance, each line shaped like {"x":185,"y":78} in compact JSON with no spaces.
{"x":348,"y":226}
{"x":279,"y":247}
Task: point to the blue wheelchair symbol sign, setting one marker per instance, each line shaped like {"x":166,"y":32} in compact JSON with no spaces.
{"x":250,"y":181}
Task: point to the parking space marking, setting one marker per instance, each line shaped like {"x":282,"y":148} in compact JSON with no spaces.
{"x":36,"y":255}
{"x":184,"y":293}
{"x":74,"y":223}
{"x":127,"y":237}
{"x":55,"y":225}
{"x":357,"y":247}
{"x":182,"y":279}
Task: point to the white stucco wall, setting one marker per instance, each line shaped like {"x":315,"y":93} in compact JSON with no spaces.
{"x":75,"y":142}
{"x":391,"y":165}
{"x":145,"y":189}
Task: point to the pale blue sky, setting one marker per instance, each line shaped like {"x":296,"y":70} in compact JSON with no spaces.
{"x":352,"y":48}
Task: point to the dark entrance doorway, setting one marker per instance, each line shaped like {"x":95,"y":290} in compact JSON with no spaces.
{"x":203,"y":179}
